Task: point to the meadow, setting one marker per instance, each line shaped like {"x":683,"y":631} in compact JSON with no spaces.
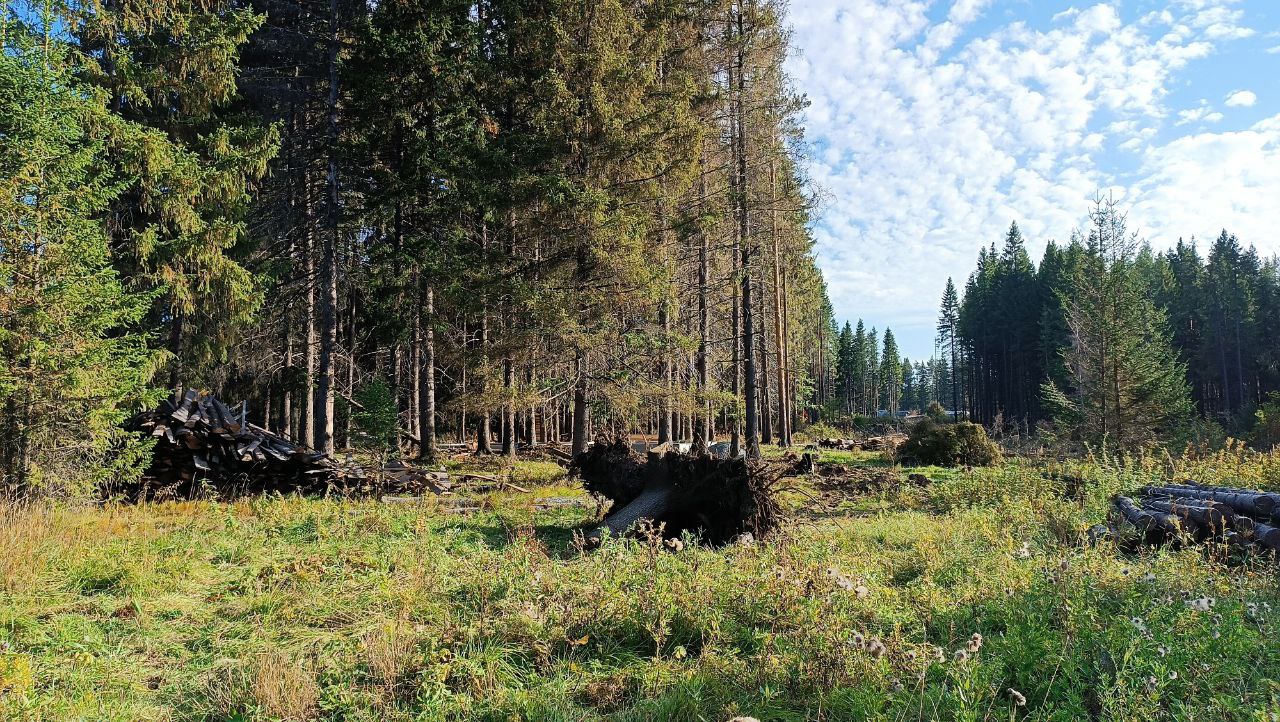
{"x":978,"y":597}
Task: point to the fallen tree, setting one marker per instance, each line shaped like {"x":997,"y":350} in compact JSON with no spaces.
{"x":717,"y":499}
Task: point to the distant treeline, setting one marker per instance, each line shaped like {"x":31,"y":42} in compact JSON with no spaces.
{"x":1012,"y":338}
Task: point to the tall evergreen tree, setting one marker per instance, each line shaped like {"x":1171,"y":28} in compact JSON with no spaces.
{"x":73,"y":355}
{"x":1127,"y":388}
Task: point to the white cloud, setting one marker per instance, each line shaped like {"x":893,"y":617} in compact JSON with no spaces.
{"x":1241,"y":99}
{"x":1199,"y":184}
{"x":1274,"y":51}
{"x":926,"y":158}
{"x":1202,"y":113}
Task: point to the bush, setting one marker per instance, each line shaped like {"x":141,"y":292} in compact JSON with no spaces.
{"x":1266,"y":426}
{"x":936,"y":412}
{"x":960,"y":444}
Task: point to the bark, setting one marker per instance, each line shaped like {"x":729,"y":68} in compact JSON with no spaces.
{"x":329,"y":257}
{"x":427,"y":378}
{"x":784,"y":415}
{"x":752,"y":426}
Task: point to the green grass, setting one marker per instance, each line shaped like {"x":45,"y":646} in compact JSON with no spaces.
{"x":279,"y":609}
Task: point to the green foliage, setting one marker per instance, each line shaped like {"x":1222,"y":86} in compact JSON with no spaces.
{"x":958,"y":444}
{"x":73,"y":358}
{"x":936,"y":413}
{"x":1126,"y":386}
{"x":1266,"y":425}
{"x":296,"y":609}
{"x":375,"y":416}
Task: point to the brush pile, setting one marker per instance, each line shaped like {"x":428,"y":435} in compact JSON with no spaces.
{"x":204,"y":449}
{"x":1190,"y":513}
{"x":884,"y":442}
{"x":717,"y":499}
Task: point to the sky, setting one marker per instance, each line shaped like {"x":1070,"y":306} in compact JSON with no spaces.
{"x":933,"y":125}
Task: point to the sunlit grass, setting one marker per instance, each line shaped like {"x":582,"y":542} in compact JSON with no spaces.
{"x":285,"y":608}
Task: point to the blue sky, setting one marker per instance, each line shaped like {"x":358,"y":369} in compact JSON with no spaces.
{"x":933,"y":125}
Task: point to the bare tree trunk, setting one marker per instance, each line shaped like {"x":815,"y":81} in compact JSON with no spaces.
{"x":780,"y":341}
{"x":329,"y":257}
{"x":752,"y":425}
{"x":427,"y":377}
{"x":766,"y":410}
{"x":483,"y":444}
{"x":704,"y":425}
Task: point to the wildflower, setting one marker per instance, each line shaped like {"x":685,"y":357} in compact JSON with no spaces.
{"x":857,"y":640}
{"x":1201,"y":604}
{"x":861,"y":591}
{"x":938,"y":655}
{"x":1018,"y":699}
{"x":1008,"y":591}
{"x":960,"y":655}
{"x":877,"y":649}
{"x":975,"y":642}
{"x":841,"y":580}
{"x":898,"y":687}
{"x":1138,"y":624}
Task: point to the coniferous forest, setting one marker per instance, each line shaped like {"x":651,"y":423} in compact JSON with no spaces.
{"x":514,"y":222}
{"x":422,"y":361}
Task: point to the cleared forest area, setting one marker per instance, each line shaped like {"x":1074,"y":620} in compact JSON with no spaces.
{"x":416,"y":360}
{"x":974,"y":595}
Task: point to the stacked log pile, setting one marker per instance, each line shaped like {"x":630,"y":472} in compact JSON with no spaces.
{"x":717,"y":499}
{"x":1188,"y":513}
{"x":204,"y":449}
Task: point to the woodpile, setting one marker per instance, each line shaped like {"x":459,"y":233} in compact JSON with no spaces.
{"x":1190,"y":513}
{"x":204,"y":449}
{"x":717,"y":499}
{"x":885,"y":442}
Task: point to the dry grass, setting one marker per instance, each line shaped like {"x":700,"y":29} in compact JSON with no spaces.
{"x":24,"y":531}
{"x":285,"y":688}
{"x":389,"y":652}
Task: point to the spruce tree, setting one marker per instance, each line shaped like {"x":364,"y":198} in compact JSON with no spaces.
{"x":1126,"y":388}
{"x":73,"y":359}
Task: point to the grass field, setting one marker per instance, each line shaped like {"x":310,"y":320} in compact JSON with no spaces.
{"x":976,"y":598}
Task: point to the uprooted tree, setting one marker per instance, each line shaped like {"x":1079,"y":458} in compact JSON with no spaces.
{"x":715,"y":499}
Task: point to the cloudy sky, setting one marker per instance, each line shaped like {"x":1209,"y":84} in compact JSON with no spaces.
{"x":933,"y":125}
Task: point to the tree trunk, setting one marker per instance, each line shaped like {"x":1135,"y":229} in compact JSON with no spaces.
{"x":329,"y":257}
{"x":784,"y":417}
{"x":752,"y":426}
{"x":427,"y":377}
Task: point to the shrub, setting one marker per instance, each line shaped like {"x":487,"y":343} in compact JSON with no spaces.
{"x":1266,"y":427}
{"x":936,"y":412}
{"x":960,"y":444}
{"x":376,"y":420}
